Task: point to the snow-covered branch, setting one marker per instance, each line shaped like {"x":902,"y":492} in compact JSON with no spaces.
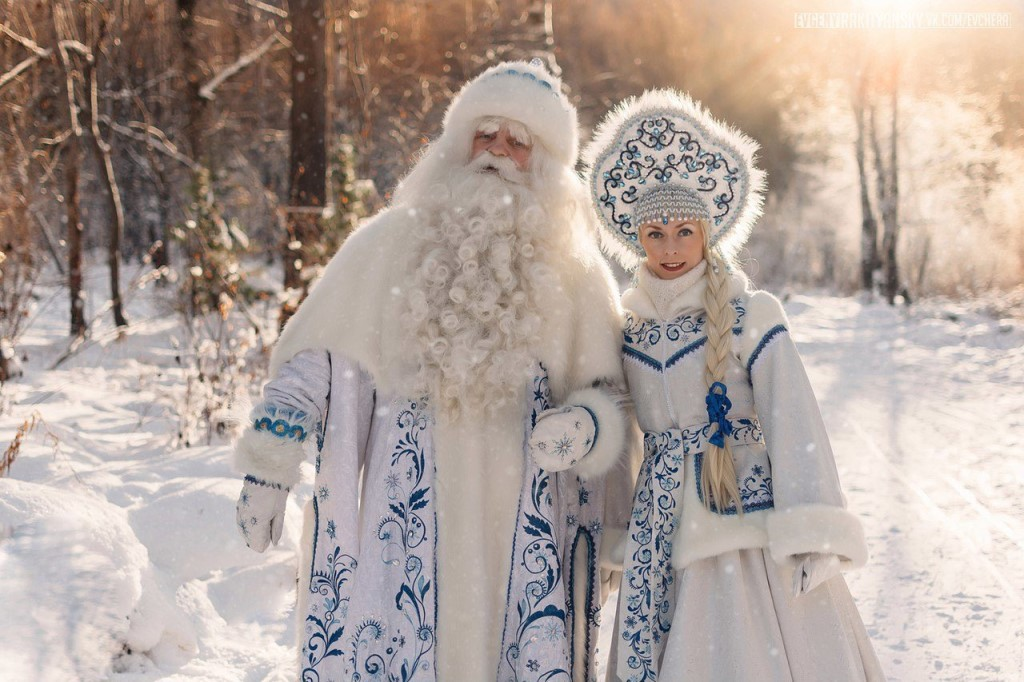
{"x":267,"y":8}
{"x":151,"y":135}
{"x":19,"y":68}
{"x":76,"y":46}
{"x":207,"y":91}
{"x":29,"y":44}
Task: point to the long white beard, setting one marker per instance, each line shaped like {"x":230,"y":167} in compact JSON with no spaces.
{"x":476,"y":266}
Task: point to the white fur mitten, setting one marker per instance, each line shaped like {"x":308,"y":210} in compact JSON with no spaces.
{"x":260,"y":512}
{"x":562,"y":436}
{"x":812,"y":569}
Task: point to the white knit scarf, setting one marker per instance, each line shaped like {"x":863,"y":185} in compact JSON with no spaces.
{"x":664,"y":293}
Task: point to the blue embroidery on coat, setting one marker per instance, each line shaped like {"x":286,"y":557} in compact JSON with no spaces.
{"x":401,"y":532}
{"x":755,"y":484}
{"x":325,"y":630}
{"x":647,"y":583}
{"x":641,"y":335}
{"x":538,"y":558}
{"x":591,"y":611}
{"x":769,"y":335}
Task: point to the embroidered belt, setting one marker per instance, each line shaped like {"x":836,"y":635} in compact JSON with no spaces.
{"x":694,"y":439}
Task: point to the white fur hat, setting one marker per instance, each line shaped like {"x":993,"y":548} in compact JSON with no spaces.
{"x":665,"y":147}
{"x":524,"y":92}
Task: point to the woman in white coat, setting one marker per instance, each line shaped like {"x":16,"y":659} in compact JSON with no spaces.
{"x":739,"y":527}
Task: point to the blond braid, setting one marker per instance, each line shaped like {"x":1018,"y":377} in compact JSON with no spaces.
{"x":719,"y":479}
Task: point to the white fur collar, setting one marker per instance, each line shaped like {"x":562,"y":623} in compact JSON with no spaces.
{"x":665,"y":293}
{"x":690,"y":300}
{"x":355,"y":308}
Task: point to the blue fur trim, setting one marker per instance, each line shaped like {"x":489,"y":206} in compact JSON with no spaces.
{"x":771,"y":333}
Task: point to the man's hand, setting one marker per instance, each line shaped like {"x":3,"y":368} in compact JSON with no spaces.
{"x":562,"y":437}
{"x":812,"y":569}
{"x":260,"y":512}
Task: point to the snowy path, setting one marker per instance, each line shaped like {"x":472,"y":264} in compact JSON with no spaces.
{"x":927,"y":421}
{"x":926,"y":415}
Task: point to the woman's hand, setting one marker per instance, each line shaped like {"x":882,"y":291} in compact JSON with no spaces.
{"x":812,"y":569}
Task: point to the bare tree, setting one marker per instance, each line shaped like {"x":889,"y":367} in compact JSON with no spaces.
{"x":869,"y":261}
{"x":72,"y":163}
{"x":890,"y":208}
{"x":101,"y":150}
{"x":308,"y":165}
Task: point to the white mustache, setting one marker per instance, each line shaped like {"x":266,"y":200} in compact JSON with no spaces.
{"x":505,"y":167}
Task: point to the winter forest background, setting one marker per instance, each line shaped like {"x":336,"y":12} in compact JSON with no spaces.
{"x":175,"y":172}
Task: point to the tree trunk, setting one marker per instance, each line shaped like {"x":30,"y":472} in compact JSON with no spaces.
{"x":113,"y":195}
{"x":308,"y":161}
{"x":868,"y":226}
{"x":890,"y":211}
{"x":882,"y":180}
{"x":195,"y":104}
{"x":72,"y":164}
{"x":72,"y":160}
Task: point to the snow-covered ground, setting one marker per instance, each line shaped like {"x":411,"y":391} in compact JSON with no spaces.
{"x":119,"y":557}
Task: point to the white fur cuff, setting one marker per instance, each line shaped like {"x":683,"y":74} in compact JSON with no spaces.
{"x":817,"y":528}
{"x":274,"y":459}
{"x":610,"y":436}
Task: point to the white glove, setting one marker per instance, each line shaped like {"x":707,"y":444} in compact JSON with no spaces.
{"x":562,"y":437}
{"x":812,"y":569}
{"x":260,"y":512}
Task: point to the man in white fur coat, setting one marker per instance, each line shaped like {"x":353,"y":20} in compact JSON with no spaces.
{"x":457,"y":367}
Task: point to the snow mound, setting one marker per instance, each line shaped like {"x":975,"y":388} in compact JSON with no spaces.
{"x":78,"y":589}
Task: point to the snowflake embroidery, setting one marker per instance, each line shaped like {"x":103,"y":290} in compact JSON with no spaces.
{"x":532,"y":665}
{"x":332,"y":530}
{"x":584,"y":496}
{"x":563,"y":446}
{"x":245,"y":498}
{"x":323,"y":493}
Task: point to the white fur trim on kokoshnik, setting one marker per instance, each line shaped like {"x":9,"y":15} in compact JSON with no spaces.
{"x":524,"y":92}
{"x":665,"y":138}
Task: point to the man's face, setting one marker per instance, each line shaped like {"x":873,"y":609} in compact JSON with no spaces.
{"x":501,"y":143}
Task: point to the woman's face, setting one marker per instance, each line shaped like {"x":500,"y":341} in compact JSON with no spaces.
{"x":674,"y":249}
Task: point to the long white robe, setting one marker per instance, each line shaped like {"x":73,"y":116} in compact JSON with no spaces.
{"x":707,"y":595}
{"x":439,"y":550}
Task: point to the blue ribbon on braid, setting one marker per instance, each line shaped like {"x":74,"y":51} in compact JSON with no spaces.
{"x":718,"y":407}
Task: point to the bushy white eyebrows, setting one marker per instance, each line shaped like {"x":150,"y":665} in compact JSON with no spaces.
{"x":517,"y":130}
